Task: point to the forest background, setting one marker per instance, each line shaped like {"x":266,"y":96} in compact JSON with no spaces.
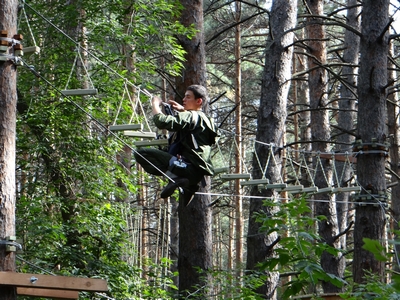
{"x":306,"y":201}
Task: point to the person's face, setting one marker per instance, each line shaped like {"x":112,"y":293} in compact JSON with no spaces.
{"x":190,"y":102}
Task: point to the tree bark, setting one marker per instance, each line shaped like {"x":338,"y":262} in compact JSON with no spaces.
{"x":195,"y":220}
{"x":346,"y":120}
{"x":238,"y":137}
{"x":372,"y":114}
{"x":8,"y":106}
{"x":320,"y":131}
{"x":271,"y":129}
{"x":393,"y":128}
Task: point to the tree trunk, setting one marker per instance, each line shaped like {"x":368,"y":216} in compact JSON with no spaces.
{"x":302,"y":97}
{"x":271,"y":129}
{"x":195,"y":220}
{"x":393,"y":128}
{"x":238,"y":137}
{"x":346,"y":120}
{"x":371,"y":129}
{"x":8,"y":106}
{"x":320,"y":130}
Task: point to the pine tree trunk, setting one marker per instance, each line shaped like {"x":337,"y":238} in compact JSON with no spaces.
{"x":8,"y":105}
{"x":393,"y":128}
{"x":238,"y":137}
{"x":271,"y":129}
{"x":320,"y":130}
{"x":371,"y":128}
{"x":346,"y":120}
{"x":195,"y":220}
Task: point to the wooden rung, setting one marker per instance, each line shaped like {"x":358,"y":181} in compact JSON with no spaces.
{"x":79,"y":92}
{"x":160,"y":142}
{"x":52,"y":282}
{"x":32,"y":50}
{"x":235,"y":176}
{"x":276,"y":186}
{"x":47,"y":293}
{"x":328,"y":189}
{"x":221,"y":170}
{"x":312,"y":189}
{"x":298,"y":191}
{"x":254,"y":182}
{"x":294,"y":188}
{"x":348,"y":189}
{"x":140,"y":134}
{"x":126,"y":127}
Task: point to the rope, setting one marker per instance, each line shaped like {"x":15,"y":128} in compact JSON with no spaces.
{"x":120,"y":104}
{"x":291,"y":164}
{"x":72,"y":70}
{"x":241,"y":158}
{"x":319,"y":162}
{"x":126,"y":83}
{"x":27,"y":22}
{"x":259,"y":162}
{"x":138,"y":102}
{"x":98,"y":123}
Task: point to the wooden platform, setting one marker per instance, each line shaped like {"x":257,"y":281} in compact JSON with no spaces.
{"x":47,"y":286}
{"x":47,"y":293}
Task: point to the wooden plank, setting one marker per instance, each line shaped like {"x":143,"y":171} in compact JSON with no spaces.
{"x":328,"y":189}
{"x":123,"y":127}
{"x":53,"y":282}
{"x":159,"y":142}
{"x":254,"y":182}
{"x":234,"y":176}
{"x":47,"y":293}
{"x":339,"y":157}
{"x":347,"y":189}
{"x":139,"y":134}
{"x":312,"y":189}
{"x":79,"y":92}
{"x":221,"y":170}
{"x":276,"y":186}
{"x":293,"y":189}
{"x":31,"y":50}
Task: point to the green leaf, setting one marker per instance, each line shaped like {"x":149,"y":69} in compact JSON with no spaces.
{"x":375,"y":248}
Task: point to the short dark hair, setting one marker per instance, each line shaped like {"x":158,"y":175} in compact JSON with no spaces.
{"x":199,"y":91}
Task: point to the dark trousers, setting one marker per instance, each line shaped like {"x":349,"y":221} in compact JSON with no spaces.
{"x":157,"y":162}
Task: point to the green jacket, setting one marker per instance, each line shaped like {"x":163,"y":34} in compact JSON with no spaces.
{"x":197,"y":134}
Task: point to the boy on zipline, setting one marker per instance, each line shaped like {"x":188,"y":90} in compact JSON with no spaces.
{"x":188,"y":159}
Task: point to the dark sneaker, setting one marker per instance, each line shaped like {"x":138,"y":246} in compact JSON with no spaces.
{"x":172,"y":186}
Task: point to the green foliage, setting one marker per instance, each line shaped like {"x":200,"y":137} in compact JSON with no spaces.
{"x":75,"y":186}
{"x":374,"y":288}
{"x":376,"y":248}
{"x":232,"y":286}
{"x":299,"y":250}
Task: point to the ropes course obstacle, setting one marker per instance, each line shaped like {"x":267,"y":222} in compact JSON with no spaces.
{"x":79,"y":92}
{"x":295,"y":169}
